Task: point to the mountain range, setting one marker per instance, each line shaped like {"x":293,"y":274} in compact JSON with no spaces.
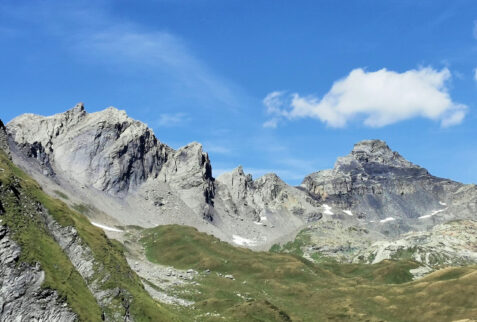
{"x":62,"y":175}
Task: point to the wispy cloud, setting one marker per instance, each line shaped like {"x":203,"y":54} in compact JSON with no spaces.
{"x":91,"y":33}
{"x":172,"y":120}
{"x":382,"y":97}
{"x":475,"y":74}
{"x":158,"y":52}
{"x":272,"y":123}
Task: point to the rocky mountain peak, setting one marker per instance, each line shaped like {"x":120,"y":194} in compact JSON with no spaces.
{"x":237,"y":182}
{"x":372,"y":154}
{"x":78,"y":108}
{"x":107,"y":149}
{"x":371,"y":147}
{"x":73,"y":116}
{"x":270,"y":179}
{"x":236,"y":178}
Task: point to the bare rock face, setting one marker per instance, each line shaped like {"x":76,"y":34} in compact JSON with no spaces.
{"x":188,"y":171}
{"x":109,"y":152}
{"x":106,"y":150}
{"x":453,"y":243}
{"x":21,"y":296}
{"x":377,"y":183}
{"x":263,"y":198}
{"x":144,"y":182}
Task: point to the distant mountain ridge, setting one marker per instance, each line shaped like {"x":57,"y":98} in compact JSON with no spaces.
{"x":374,"y":213}
{"x":117,"y":165}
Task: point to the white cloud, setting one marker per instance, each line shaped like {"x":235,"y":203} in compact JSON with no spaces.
{"x":172,"y":120}
{"x":275,"y":106}
{"x":453,"y":119}
{"x":378,"y":98}
{"x":475,"y":74}
{"x":274,"y":102}
{"x":272,"y":123}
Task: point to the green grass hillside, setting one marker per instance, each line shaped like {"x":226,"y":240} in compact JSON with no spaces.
{"x":282,"y":287}
{"x":19,"y":195}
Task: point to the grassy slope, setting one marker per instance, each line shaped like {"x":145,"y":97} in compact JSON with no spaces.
{"x":277,"y":286}
{"x":38,"y":246}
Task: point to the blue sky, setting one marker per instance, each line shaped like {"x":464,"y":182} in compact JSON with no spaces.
{"x":275,"y":86}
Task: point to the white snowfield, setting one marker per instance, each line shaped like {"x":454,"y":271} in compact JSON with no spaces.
{"x":435,"y":212}
{"x":106,"y":227}
{"x":238,"y":240}
{"x":348,"y":212}
{"x":327,"y":210}
{"x":387,"y":219}
{"x":442,"y":203}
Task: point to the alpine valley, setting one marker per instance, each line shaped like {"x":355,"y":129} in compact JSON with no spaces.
{"x":100,"y":220}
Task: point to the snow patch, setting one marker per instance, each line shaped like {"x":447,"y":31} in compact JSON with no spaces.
{"x":348,"y":212}
{"x":327,"y":210}
{"x":387,"y":219}
{"x":106,"y":227}
{"x":258,"y":223}
{"x":263,"y":218}
{"x":238,"y":240}
{"x":435,"y":212}
{"x":442,"y":203}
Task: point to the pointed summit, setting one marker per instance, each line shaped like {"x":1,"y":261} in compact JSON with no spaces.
{"x":79,"y":107}
{"x":368,"y":152}
{"x":74,"y":115}
{"x":371,"y":146}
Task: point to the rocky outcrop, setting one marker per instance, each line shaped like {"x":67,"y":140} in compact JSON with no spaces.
{"x":110,"y":152}
{"x":189,"y":173}
{"x":106,"y":150}
{"x":377,"y":183}
{"x":91,"y":270}
{"x":91,"y":260}
{"x":21,"y":296}
{"x":260,"y":199}
{"x":447,"y":244}
{"x":144,"y":182}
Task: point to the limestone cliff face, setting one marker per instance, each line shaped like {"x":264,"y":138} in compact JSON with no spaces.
{"x":21,"y":296}
{"x":110,"y":152}
{"x":106,"y":150}
{"x":188,"y":171}
{"x":379,"y":183}
{"x":262,"y":198}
